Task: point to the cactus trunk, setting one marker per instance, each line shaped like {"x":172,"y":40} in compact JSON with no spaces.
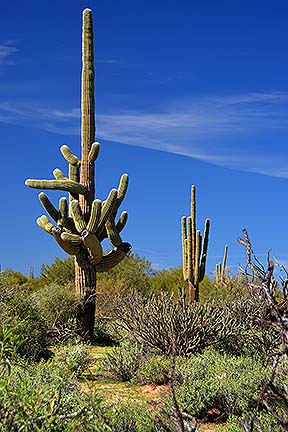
{"x":85,"y":272}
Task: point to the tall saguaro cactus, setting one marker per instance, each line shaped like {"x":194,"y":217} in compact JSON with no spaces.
{"x":82,"y":225}
{"x":194,"y":250}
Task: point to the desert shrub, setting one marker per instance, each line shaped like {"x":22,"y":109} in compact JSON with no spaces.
{"x":105,"y":332}
{"x":160,"y":320}
{"x":124,"y":360}
{"x":61,"y":271}
{"x":167,"y":281}
{"x":252,"y":336}
{"x":73,"y":358}
{"x":20,"y":316}
{"x":45,"y":396}
{"x":132,"y":416}
{"x":263,"y":422}
{"x":154,"y":370}
{"x":211,"y":380}
{"x":57,"y":306}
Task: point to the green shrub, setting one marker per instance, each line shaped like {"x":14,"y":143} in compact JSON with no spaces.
{"x":124,"y":360}
{"x":164,"y":321}
{"x":57,"y":306}
{"x":21,"y":317}
{"x":211,"y":380}
{"x":105,"y":333}
{"x":261,"y":421}
{"x":153,"y":371}
{"x":46,"y":396}
{"x":72,"y":358}
{"x":132,"y":416}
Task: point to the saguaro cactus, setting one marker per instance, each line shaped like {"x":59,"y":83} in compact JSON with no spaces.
{"x":83,"y":224}
{"x":194,"y":250}
{"x":221,"y":268}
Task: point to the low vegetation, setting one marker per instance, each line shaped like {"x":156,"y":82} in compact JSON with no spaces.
{"x":158,"y":363}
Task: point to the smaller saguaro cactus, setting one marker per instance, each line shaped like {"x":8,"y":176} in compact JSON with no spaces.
{"x":194,"y":250}
{"x":221,"y":268}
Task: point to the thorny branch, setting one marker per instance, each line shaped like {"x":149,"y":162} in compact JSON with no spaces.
{"x":274,"y":394}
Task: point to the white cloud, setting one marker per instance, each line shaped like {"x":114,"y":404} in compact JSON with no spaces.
{"x":229,"y":131}
{"x":6,"y":51}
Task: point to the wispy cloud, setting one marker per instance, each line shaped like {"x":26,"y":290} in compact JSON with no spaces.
{"x":6,"y":51}
{"x":231,"y":131}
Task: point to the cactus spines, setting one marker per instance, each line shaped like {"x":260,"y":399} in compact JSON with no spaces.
{"x":90,"y":220}
{"x":194,"y":249}
{"x":221,"y":268}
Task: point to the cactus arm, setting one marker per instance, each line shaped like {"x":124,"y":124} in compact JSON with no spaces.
{"x":74,"y":239}
{"x":48,"y":206}
{"x":205,"y":250}
{"x":184,"y":246}
{"x":113,"y":233}
{"x":59,"y":175}
{"x":68,"y":247}
{"x":77,"y":216}
{"x":94,"y":216}
{"x":107,"y":210}
{"x":122,"y":221}
{"x":64,"y":185}
{"x":113,"y":258}
{"x":94,"y":152}
{"x":69,"y":156}
{"x":197,"y":257}
{"x":93,"y":245}
{"x":223,"y":266}
{"x":45,"y":224}
{"x":121,"y":191}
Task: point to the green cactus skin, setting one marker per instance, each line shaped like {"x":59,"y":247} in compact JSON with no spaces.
{"x":93,"y":245}
{"x":65,"y":245}
{"x":63,"y":212}
{"x":221,"y":268}
{"x":64,"y":185}
{"x":77,"y":216}
{"x":94,"y":216}
{"x":69,"y":156}
{"x":58,"y":174}
{"x":74,"y":239}
{"x":122,"y":221}
{"x":48,"y":206}
{"x":107,"y":210}
{"x":113,"y":258}
{"x":194,"y":250}
{"x":113,"y":233}
{"x":94,"y":152}
{"x":45,"y":224}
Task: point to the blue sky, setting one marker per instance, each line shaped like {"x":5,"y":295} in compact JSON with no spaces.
{"x":187,"y":92}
